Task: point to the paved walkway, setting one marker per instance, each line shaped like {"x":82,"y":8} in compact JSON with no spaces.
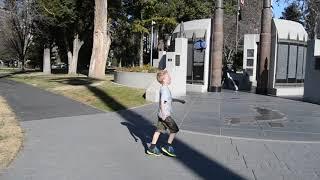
{"x":250,"y":116}
{"x":94,"y":145}
{"x":32,"y":103}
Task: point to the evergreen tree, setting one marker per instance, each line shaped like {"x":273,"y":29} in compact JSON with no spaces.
{"x":293,"y":13}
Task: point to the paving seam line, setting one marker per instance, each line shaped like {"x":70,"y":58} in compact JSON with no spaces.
{"x":249,"y":139}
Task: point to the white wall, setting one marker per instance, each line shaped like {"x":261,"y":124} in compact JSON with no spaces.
{"x":312,"y":76}
{"x":289,"y":91}
{"x":250,"y":42}
{"x":200,"y":28}
{"x":178,"y":73}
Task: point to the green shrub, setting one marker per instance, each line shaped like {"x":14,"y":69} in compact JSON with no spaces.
{"x":145,"y":69}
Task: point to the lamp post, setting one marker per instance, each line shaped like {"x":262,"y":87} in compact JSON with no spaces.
{"x":151,"y":45}
{"x":237,"y":24}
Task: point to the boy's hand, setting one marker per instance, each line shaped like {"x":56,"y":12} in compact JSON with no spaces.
{"x":179,"y":100}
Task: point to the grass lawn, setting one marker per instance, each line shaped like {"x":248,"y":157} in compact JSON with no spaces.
{"x":10,"y":135}
{"x":9,"y":70}
{"x":104,"y":95}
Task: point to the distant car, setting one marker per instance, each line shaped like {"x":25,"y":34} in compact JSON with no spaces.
{"x":63,"y":66}
{"x":59,"y":66}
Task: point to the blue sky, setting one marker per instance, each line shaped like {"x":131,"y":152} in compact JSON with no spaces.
{"x":278,"y":8}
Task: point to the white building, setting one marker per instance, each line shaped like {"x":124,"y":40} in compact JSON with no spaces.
{"x":250,"y":56}
{"x":288,"y":58}
{"x":197,"y":60}
{"x":312,"y":79}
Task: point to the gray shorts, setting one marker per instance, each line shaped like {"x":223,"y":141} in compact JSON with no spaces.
{"x":168,"y":123}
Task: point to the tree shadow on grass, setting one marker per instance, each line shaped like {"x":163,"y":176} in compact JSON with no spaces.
{"x":140,"y":127}
{"x":6,"y":75}
{"x":74,"y":81}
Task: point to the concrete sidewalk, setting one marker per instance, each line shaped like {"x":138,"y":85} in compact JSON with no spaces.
{"x":107,"y":146}
{"x":31,"y":103}
{"x":112,"y":145}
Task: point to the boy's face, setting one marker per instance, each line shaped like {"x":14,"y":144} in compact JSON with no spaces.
{"x":167,"y":79}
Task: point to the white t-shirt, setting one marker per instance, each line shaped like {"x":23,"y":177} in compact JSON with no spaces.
{"x":166,"y":98}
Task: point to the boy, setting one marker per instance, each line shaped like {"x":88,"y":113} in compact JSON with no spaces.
{"x":165,"y":120}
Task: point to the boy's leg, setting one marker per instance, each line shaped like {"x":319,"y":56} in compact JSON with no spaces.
{"x":160,"y":128}
{"x":173,"y":127}
{"x":153,"y":148}
{"x":171,"y":137}
{"x":155,"y":137}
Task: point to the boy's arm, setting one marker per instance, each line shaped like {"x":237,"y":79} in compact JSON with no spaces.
{"x":178,"y":100}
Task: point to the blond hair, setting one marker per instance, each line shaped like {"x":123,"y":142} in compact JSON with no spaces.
{"x":160,"y":75}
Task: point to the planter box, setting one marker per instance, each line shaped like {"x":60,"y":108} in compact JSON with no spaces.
{"x":134,"y":79}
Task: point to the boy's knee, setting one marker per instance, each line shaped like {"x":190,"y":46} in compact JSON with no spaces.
{"x":174,"y":129}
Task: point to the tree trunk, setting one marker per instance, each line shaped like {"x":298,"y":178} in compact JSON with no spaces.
{"x":23,"y":65}
{"x":141,"y":51}
{"x":265,"y":48}
{"x":316,"y":26}
{"x":46,"y":61}
{"x":77,"y":44}
{"x":101,"y":41}
{"x":120,"y":63}
{"x":69,"y":55}
{"x":217,"y":47}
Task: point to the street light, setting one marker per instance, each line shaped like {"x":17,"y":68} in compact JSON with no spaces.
{"x":151,"y":46}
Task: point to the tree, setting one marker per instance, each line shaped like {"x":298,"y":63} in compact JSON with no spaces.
{"x":312,"y":18}
{"x":165,"y":13}
{"x":17,"y":28}
{"x":124,"y":44}
{"x":70,"y":22}
{"x":101,"y":40}
{"x":249,"y":24}
{"x":311,"y":15}
{"x":293,"y":13}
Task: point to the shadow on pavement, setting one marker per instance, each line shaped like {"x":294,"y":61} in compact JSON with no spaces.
{"x":137,"y":134}
{"x":139,"y":127}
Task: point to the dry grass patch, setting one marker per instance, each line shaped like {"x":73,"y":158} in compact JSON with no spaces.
{"x":10,"y":134}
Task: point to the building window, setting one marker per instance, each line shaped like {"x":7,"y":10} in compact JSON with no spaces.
{"x":317,"y":63}
{"x":250,"y":52}
{"x":250,"y":62}
{"x":282,"y":63}
{"x":290,"y":63}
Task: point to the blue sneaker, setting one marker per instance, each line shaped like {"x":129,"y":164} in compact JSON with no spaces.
{"x":169,"y":150}
{"x":155,"y":151}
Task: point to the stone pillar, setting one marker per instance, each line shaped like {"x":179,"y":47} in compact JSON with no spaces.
{"x":216,"y":48}
{"x":46,"y":61}
{"x":265,"y":48}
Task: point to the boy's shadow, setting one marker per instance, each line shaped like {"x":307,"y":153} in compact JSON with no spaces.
{"x":142,"y":134}
{"x":138,"y":134}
